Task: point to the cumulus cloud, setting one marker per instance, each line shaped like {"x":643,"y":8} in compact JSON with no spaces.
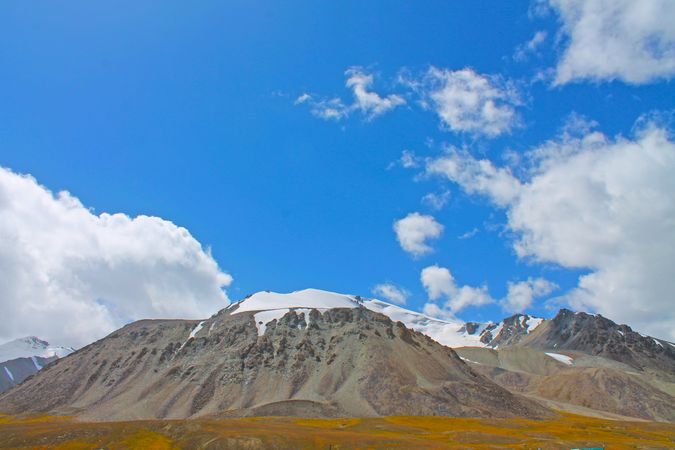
{"x":469,"y":102}
{"x":71,"y":276}
{"x":366,"y":101}
{"x":595,"y":203}
{"x":521,"y":294}
{"x":392,"y":293}
{"x":440,"y":285}
{"x":628,"y":40}
{"x":414,"y":230}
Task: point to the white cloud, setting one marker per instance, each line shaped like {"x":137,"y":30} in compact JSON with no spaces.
{"x":303,"y":98}
{"x":436,"y":200}
{"x":520,"y":295}
{"x":530,"y":47}
{"x":391,"y":293}
{"x":369,"y":103}
{"x":476,"y":176}
{"x":414,"y":230}
{"x":469,"y":234}
{"x":594,"y":203}
{"x":440,"y":285}
{"x":408,"y":159}
{"x":629,"y":40}
{"x":469,"y":102}
{"x":71,"y":276}
{"x":332,"y":109}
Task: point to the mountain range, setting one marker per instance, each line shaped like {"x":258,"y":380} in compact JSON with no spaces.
{"x":318,"y":353}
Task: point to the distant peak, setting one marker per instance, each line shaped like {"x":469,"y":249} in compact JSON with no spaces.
{"x":31,"y":346}
{"x":32,"y":340}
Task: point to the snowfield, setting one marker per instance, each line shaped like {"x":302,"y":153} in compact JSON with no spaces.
{"x":307,"y":298}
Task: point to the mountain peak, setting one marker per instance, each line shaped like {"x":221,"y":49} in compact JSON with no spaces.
{"x":28,"y":346}
{"x":32,"y":340}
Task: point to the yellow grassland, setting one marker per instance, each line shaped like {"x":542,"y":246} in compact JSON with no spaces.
{"x":566,"y":431}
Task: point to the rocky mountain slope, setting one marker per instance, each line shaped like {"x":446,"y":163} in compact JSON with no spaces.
{"x":23,"y":357}
{"x":319,"y":353}
{"x":596,"y":335}
{"x":310,"y":353}
{"x":585,"y":363}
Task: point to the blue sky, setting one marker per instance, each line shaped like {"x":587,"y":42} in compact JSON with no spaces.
{"x":189,"y":113}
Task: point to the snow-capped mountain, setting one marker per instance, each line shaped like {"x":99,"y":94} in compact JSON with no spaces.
{"x":31,"y":346}
{"x":576,"y":359}
{"x":271,"y":305}
{"x":319,"y":353}
{"x":567,"y":330}
{"x":23,"y":357}
{"x":308,"y":353}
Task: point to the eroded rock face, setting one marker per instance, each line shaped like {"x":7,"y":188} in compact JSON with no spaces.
{"x":508,"y":332}
{"x":332,"y":363}
{"x":597,"y":335}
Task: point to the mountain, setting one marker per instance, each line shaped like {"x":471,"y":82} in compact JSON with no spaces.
{"x":577,"y":362}
{"x":455,"y":333}
{"x":309,"y":353}
{"x":577,"y":331}
{"x":599,"y":336}
{"x":585,"y":363}
{"x":319,"y":353}
{"x":23,"y":357}
{"x":31,"y":346}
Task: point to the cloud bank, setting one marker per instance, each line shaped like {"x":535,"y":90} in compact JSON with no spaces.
{"x":71,"y":276}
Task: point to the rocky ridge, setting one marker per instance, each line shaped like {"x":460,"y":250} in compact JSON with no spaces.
{"x":323,"y":361}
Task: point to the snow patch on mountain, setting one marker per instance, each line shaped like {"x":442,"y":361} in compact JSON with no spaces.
{"x":264,"y":317}
{"x":533,"y":322}
{"x":561,"y":358}
{"x":196,"y":329}
{"x":36,"y":363}
{"x":192,"y":334}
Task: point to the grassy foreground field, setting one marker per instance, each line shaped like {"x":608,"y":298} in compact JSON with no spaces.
{"x":569,"y":431}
